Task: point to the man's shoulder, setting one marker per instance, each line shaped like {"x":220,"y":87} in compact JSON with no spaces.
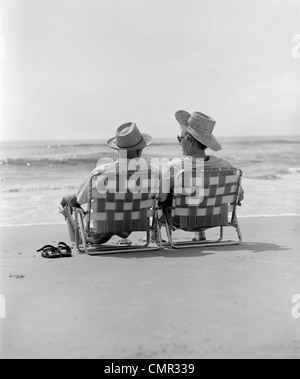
{"x":178,"y":161}
{"x":109,"y":165}
{"x":215,"y":162}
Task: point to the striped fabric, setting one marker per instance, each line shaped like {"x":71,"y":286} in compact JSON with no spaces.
{"x":221,"y":188}
{"x":123,"y":212}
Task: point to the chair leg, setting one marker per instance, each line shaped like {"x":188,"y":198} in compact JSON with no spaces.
{"x":76,"y":230}
{"x":107,"y":249}
{"x":169,"y":234}
{"x":158,"y":235}
{"x":79,"y":232}
{"x":81,"y":239}
{"x":156,"y":228}
{"x":83,"y":234}
{"x":102,"y":250}
{"x":206,"y":244}
{"x":221,"y":234}
{"x":236,"y":224}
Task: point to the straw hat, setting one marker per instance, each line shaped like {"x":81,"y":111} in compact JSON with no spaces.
{"x":200,"y":127}
{"x":128,"y":137}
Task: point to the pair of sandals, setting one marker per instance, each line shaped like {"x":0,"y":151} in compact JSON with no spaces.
{"x":52,"y":252}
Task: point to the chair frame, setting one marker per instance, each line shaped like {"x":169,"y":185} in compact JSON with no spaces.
{"x":83,"y":230}
{"x":234,"y":223}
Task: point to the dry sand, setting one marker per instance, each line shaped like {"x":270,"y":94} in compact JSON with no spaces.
{"x":233,"y":302}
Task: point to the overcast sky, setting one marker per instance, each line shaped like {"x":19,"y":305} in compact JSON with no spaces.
{"x":77,"y":69}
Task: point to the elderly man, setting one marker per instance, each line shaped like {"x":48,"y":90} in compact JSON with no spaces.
{"x":196,"y":137}
{"x":130,"y":143}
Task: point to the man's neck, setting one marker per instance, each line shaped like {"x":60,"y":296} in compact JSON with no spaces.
{"x":129,"y":156}
{"x":199,"y":154}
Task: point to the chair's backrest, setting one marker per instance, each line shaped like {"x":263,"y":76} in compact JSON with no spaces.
{"x":219,"y":197}
{"x":126,"y":208}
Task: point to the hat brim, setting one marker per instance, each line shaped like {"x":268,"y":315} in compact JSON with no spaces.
{"x":146,"y":141}
{"x":208,"y":140}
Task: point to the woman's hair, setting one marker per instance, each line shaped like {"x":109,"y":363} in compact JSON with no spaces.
{"x":200,"y":145}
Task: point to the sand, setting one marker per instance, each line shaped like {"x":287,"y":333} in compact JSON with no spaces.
{"x":233,"y":302}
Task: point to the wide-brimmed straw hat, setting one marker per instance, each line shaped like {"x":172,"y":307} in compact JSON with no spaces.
{"x":201,"y":127}
{"x":128,"y":137}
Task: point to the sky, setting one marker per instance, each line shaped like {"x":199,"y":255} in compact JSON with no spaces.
{"x":78,"y":69}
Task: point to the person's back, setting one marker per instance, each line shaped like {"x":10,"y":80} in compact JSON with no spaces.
{"x":196,"y":137}
{"x":130,"y":143}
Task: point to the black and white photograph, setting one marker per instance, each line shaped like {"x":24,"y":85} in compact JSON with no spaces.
{"x":149,"y":182}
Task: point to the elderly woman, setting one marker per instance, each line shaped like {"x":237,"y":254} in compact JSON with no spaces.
{"x":196,"y":137}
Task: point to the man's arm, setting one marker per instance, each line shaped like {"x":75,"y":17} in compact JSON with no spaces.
{"x":241,"y":195}
{"x":168,"y":179}
{"x":166,"y":183}
{"x":82,"y":193}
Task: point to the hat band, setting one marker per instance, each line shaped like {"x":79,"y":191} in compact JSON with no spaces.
{"x":130,"y":147}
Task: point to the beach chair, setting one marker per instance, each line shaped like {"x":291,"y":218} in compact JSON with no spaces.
{"x":217,"y":207}
{"x":124,"y":210}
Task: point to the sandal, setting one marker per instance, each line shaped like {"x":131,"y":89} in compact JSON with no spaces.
{"x":64,"y":250}
{"x":49,"y":252}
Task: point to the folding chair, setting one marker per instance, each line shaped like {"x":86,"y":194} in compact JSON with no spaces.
{"x":122,"y":211}
{"x":219,"y":201}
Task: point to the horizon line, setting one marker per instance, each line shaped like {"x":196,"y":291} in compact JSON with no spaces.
{"x":154,"y":137}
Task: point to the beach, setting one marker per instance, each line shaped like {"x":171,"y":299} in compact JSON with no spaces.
{"x":227,"y":302}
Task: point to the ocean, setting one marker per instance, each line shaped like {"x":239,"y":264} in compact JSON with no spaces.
{"x":34,"y":176}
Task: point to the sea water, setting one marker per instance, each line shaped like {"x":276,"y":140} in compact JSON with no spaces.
{"x":34,"y":176}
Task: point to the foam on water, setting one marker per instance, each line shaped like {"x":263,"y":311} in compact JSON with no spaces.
{"x":34,"y":176}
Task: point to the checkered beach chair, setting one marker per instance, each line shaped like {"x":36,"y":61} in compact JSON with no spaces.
{"x":125,"y":211}
{"x":216,"y":208}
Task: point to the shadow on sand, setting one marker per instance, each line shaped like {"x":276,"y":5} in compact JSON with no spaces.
{"x":250,"y":247}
